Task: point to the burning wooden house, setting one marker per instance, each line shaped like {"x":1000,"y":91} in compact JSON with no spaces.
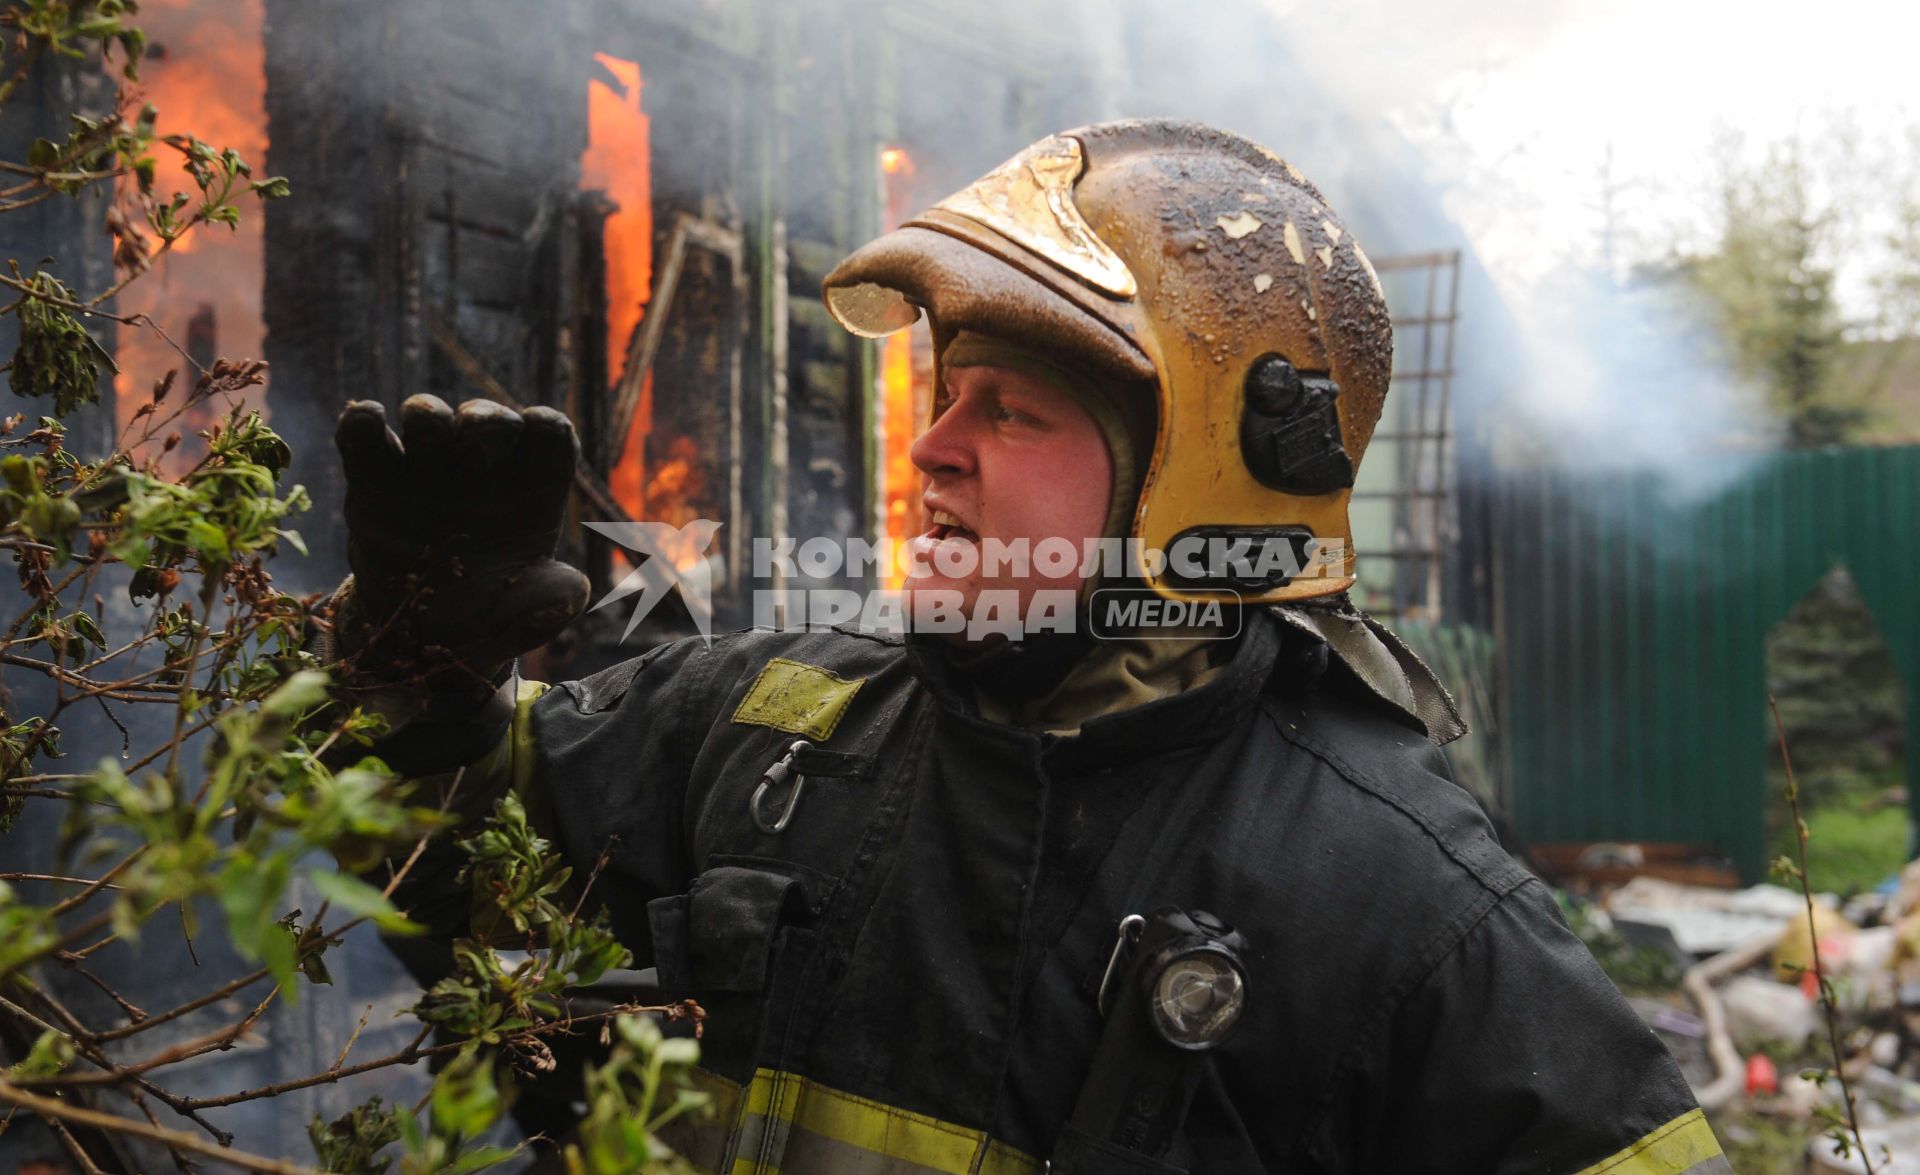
{"x":624,"y":210}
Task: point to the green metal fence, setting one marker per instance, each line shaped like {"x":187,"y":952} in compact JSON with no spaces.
{"x":1631,"y":622}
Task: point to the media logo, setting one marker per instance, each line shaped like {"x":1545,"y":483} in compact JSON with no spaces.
{"x":676,"y":557}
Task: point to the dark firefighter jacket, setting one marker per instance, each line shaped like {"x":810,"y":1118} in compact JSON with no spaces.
{"x":905,"y":979}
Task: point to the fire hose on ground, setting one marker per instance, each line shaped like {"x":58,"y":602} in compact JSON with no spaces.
{"x":1729,"y":1070}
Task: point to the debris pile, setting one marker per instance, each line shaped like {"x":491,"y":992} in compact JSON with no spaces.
{"x":1725,"y":977}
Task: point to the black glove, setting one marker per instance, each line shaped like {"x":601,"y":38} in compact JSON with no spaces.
{"x":451,"y":534}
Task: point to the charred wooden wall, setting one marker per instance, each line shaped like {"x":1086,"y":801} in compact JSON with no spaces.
{"x":435,"y":239}
{"x":439,"y":240}
{"x":830,"y":205}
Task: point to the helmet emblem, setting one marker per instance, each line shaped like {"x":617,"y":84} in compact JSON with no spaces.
{"x":1029,"y":199}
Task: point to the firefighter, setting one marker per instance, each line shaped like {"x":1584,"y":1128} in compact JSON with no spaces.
{"x":1202,"y":899}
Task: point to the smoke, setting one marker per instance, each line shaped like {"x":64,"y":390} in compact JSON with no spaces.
{"x":1394,"y":56}
{"x":1634,"y":379}
{"x":1507,"y":130}
{"x":1393,"y":110}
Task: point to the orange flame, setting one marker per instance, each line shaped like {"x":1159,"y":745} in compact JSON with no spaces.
{"x":905,"y":387}
{"x":901,"y":481}
{"x":618,"y":161}
{"x":679,"y":482}
{"x":205,"y":292}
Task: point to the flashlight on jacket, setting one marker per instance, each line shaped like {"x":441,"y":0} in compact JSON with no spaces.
{"x":1178,"y":995}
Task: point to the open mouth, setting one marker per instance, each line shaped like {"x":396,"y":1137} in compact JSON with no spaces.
{"x":946,"y":526}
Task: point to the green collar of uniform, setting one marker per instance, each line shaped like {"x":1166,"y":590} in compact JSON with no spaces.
{"x":1113,"y":677}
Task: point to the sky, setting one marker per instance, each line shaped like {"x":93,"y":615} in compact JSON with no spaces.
{"x":1529,"y":112}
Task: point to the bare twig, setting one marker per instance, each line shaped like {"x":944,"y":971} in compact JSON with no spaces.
{"x":232,"y":987}
{"x":47,"y":793}
{"x":53,"y":877}
{"x":1819,"y":969}
{"x":599,"y":863}
{"x":186,"y":935}
{"x":70,"y":1025}
{"x":409,"y":1055}
{"x":52,"y":1108}
{"x":72,"y":962}
{"x":235,"y":986}
{"x":29,"y":290}
{"x":92,"y":925}
{"x":218,"y":1040}
{"x":104,"y":880}
{"x":413,"y":1053}
{"x":30,"y":201}
{"x":72,"y":1146}
{"x":348,"y":1047}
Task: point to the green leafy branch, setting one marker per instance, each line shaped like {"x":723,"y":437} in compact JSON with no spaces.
{"x":57,"y":355}
{"x":643,"y":1086}
{"x":71,"y":29}
{"x":645,"y":1083}
{"x":265,"y":769}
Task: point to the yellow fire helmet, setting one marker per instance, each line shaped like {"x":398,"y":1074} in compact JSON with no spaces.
{"x":1171,"y":255}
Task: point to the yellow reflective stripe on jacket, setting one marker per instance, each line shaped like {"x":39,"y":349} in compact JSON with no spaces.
{"x":513,"y":765}
{"x":513,"y":762}
{"x":785,"y":1124}
{"x":523,"y":748}
{"x":1684,"y":1146}
{"x":701,"y":1138}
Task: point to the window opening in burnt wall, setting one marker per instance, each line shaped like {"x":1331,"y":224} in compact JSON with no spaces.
{"x":667,"y":431}
{"x":906,"y":384}
{"x":618,"y":164}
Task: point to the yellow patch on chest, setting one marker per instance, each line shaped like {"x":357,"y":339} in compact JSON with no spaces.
{"x":797,"y":698}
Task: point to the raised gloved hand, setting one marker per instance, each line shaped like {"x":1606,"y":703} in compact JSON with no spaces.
{"x":451,"y":530}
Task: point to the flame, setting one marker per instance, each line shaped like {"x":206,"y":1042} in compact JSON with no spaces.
{"x":618,"y":161}
{"x":906,"y":378}
{"x":679,"y":482}
{"x":205,"y":292}
{"x":899,"y":478}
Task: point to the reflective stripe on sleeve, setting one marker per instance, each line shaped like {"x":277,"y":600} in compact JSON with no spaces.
{"x":785,"y":1124}
{"x":1684,"y":1146}
{"x":525,"y":751}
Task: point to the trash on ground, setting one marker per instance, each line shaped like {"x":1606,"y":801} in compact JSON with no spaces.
{"x":1726,"y":978}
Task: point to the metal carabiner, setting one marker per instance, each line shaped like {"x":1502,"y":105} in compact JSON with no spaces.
{"x":1130,"y":928}
{"x":776,"y":775}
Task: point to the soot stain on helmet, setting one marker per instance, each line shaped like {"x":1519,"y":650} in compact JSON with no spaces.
{"x":1358,"y":330}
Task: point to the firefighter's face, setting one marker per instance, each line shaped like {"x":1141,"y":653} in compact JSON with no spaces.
{"x":1009,"y":459}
